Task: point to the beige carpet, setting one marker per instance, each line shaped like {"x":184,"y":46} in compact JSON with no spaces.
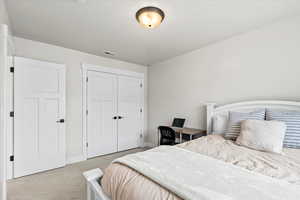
{"x":60,"y":184}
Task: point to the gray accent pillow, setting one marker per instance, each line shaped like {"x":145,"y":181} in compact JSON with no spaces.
{"x":292,"y":121}
{"x":235,"y":119}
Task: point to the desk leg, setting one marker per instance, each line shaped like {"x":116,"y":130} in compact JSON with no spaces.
{"x":157,"y":137}
{"x":180,"y":138}
{"x":191,"y":137}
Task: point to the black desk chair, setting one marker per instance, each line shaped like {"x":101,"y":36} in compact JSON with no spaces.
{"x":167,"y":135}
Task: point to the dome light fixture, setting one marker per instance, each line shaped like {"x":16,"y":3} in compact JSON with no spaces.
{"x":150,"y":17}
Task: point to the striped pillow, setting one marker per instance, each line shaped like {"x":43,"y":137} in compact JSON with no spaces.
{"x":292,"y":120}
{"x":235,"y":119}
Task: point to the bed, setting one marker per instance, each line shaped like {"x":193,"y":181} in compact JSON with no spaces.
{"x":207,"y":168}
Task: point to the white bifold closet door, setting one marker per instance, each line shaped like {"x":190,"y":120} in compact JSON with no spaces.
{"x":102,"y":107}
{"x":39,"y":133}
{"x":114,"y":120}
{"x":129,"y":109}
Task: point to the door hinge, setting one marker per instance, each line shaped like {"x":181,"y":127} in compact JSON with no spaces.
{"x":12,"y":69}
{"x":87,"y":144}
{"x":141,"y":110}
{"x":11,"y":158}
{"x":87,"y":112}
{"x":12,"y":114}
{"x":141,"y":85}
{"x":87,"y":79}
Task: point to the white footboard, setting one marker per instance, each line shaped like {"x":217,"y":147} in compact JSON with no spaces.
{"x":94,"y":190}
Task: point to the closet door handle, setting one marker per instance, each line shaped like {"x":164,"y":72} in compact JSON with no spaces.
{"x":120,"y":117}
{"x":115,"y":117}
{"x":60,"y":121}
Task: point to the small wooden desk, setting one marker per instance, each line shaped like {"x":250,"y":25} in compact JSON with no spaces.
{"x":185,"y":130}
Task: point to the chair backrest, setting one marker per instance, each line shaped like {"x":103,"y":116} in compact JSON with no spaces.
{"x":167,"y":132}
{"x":178,"y":122}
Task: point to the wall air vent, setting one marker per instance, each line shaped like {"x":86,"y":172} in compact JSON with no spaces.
{"x":109,"y":53}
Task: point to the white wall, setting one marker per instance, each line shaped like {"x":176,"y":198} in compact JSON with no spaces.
{"x":262,"y":64}
{"x":3,"y":13}
{"x":73,"y":60}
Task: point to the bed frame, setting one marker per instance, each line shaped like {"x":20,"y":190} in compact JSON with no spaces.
{"x":94,"y":190}
{"x":212,"y":110}
{"x":93,"y":177}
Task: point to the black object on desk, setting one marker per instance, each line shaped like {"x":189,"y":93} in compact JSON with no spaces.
{"x":178,"y":122}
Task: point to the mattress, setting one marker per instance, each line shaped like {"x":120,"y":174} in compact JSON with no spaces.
{"x":121,"y":182}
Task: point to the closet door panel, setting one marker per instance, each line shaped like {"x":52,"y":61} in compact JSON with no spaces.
{"x":129,"y":109}
{"x":102,"y":107}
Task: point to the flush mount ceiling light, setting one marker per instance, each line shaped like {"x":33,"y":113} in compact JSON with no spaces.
{"x":150,"y":17}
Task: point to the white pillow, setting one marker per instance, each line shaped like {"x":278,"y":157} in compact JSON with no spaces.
{"x":262,"y":135}
{"x":292,"y":121}
{"x":220,"y":123}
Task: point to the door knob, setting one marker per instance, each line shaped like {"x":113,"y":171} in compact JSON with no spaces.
{"x":115,"y":117}
{"x":60,"y":121}
{"x":120,"y":117}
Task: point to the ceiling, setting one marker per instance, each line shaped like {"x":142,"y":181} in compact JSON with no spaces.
{"x":109,"y":25}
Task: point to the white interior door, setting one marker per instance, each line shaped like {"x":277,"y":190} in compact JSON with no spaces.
{"x":39,"y":134}
{"x":130,"y":95}
{"x":102,"y":108}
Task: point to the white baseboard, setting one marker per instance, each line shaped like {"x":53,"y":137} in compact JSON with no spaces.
{"x":75,"y":159}
{"x":149,"y":144}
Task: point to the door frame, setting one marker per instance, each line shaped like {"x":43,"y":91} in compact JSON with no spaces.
{"x":5,"y":45}
{"x":85,"y":68}
{"x":7,"y":103}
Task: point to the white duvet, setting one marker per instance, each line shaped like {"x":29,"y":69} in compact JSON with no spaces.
{"x":285,"y":167}
{"x":189,"y":171}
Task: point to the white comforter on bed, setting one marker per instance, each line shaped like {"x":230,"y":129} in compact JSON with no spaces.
{"x":285,"y":167}
{"x":210,"y":179}
{"x":168,"y":173}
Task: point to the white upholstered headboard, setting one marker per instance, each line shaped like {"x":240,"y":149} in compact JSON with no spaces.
{"x":214,"y":111}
